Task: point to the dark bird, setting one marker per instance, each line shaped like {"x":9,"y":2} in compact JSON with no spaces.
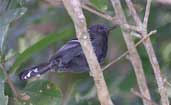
{"x":70,"y":57}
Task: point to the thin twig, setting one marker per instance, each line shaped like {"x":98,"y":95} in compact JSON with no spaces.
{"x":75,"y":11}
{"x":147,"y":12}
{"x":166,"y":82}
{"x":133,"y":12}
{"x":125,"y":53}
{"x":115,"y":60}
{"x":143,"y":97}
{"x":133,"y":28}
{"x":11,"y":57}
{"x":114,"y":20}
{"x":105,"y":16}
{"x":150,"y":51}
{"x":133,"y":54}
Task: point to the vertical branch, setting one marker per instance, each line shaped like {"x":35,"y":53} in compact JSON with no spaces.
{"x":140,"y":95}
{"x":150,"y":51}
{"x":156,"y":69}
{"x":133,"y":12}
{"x":133,"y":54}
{"x":74,"y":9}
{"x":147,"y":13}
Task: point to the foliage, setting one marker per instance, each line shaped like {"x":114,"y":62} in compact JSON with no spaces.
{"x":45,"y":28}
{"x":42,"y":92}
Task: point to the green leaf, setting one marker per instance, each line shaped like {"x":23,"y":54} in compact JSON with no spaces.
{"x":3,"y":33}
{"x":166,"y":53}
{"x":128,"y":82}
{"x":11,"y":15}
{"x":3,"y":98}
{"x":43,"y":43}
{"x":5,"y":19}
{"x":101,"y":5}
{"x":42,"y":92}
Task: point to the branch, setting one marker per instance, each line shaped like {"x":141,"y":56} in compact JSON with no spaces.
{"x":114,"y":20}
{"x":163,"y":2}
{"x":133,"y":54}
{"x":76,"y":13}
{"x":133,"y":28}
{"x":143,"y":97}
{"x":148,"y":46}
{"x":147,"y":13}
{"x":127,"y":52}
{"x":150,"y":51}
{"x":133,"y":12}
{"x":105,"y":16}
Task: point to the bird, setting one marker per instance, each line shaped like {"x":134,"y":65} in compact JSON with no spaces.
{"x":70,"y":57}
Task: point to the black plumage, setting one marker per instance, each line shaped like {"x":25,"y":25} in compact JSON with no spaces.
{"x":70,"y":57}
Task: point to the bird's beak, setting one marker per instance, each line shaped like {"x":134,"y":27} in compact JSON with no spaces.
{"x":111,"y":28}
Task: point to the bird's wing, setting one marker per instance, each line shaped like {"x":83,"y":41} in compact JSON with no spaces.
{"x":68,"y":51}
{"x":69,"y":46}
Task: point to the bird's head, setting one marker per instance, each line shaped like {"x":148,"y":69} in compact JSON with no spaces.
{"x":99,"y":29}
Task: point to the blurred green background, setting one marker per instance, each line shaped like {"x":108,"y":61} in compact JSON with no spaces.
{"x":31,"y":31}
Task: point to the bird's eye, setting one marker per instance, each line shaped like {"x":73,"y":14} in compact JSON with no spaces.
{"x":92,"y":38}
{"x":100,"y":29}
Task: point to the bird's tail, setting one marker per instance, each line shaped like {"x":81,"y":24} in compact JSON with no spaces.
{"x":35,"y":71}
